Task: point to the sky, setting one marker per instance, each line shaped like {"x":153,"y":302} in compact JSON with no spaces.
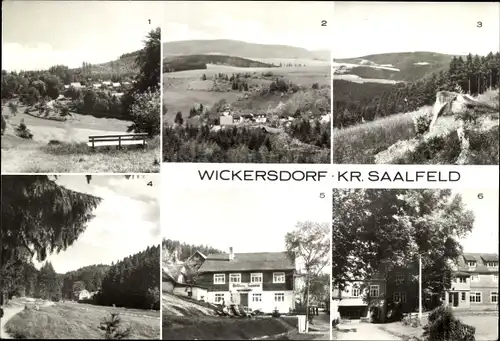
{"x":249,"y":220}
{"x":484,"y":235}
{"x":39,"y":34}
{"x":363,"y":28}
{"x":295,"y":23}
{"x":126,"y":222}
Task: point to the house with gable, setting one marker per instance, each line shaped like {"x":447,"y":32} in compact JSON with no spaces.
{"x":475,"y":283}
{"x":262,"y":281}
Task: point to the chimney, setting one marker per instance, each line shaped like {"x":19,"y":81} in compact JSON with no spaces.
{"x":231,"y":253}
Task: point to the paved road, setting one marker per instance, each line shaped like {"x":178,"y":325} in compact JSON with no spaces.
{"x":9,"y":312}
{"x":364,"y":331}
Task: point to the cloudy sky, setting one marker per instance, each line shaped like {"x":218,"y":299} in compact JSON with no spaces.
{"x":484,"y":236}
{"x":249,"y":220}
{"x":291,"y":23}
{"x":126,"y":221}
{"x":39,"y":34}
{"x":363,"y":28}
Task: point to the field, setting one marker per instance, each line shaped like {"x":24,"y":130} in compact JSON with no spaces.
{"x":182,"y":90}
{"x":80,"y":321}
{"x":70,"y":153}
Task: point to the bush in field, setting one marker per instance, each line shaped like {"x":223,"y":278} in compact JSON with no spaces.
{"x":444,"y":326}
{"x":145,"y":112}
{"x":4,"y":124}
{"x":422,"y":124}
{"x":23,"y":131}
{"x":112,"y":328}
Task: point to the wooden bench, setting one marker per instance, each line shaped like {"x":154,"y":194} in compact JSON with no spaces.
{"x":118,"y":140}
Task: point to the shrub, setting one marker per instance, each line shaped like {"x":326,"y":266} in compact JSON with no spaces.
{"x":145,"y":112}
{"x":444,"y":326}
{"x":422,"y":124}
{"x":276,"y":313}
{"x":4,"y":124}
{"x":23,"y":131}
{"x":111,"y":327}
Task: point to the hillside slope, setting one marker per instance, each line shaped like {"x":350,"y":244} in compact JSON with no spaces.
{"x":401,"y":66}
{"x":240,"y":49}
{"x":200,"y":61}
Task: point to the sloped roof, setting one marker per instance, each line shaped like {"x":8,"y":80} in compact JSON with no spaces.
{"x":479,"y":258}
{"x":173,"y":271}
{"x":247,"y":262}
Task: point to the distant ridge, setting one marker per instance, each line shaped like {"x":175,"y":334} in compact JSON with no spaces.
{"x":240,"y":49}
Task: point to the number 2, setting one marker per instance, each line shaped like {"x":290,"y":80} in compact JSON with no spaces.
{"x":323,"y":23}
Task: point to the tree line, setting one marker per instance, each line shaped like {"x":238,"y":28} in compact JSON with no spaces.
{"x":238,"y":144}
{"x":32,"y":87}
{"x":185,"y":250}
{"x":356,"y":102}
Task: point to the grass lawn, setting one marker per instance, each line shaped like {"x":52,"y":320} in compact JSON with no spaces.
{"x":80,"y":321}
{"x":25,"y":156}
{"x":221,"y":328}
{"x":72,"y":154}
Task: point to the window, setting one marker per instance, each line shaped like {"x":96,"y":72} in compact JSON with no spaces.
{"x":399,"y":296}
{"x":256,"y":297}
{"x":256,"y":278}
{"x":462,"y":296}
{"x":475,"y":297}
{"x":396,"y":296}
{"x":279,"y":297}
{"x":219,"y":279}
{"x":374,"y":290}
{"x":219,"y":298}
{"x":495,"y":278}
{"x":355,"y":292}
{"x":461,"y":279}
{"x":474,"y":278}
{"x":494,"y":297}
{"x":278,"y":277}
{"x":234,"y":278}
{"x":471,"y":263}
{"x":400,"y":279}
{"x":492,"y":264}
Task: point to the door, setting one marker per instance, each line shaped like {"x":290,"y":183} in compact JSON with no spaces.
{"x":244,"y":299}
{"x":455,"y":299}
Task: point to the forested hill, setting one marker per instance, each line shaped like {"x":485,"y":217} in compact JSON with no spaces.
{"x":89,"y":277}
{"x":354,"y":101}
{"x":184,"y":250}
{"x":133,"y":282}
{"x":200,"y":61}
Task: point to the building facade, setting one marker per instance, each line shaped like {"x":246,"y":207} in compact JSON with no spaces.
{"x":475,"y":283}
{"x":260,"y":281}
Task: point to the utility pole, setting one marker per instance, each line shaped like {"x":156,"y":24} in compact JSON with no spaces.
{"x":420,"y":287}
{"x":307,"y":300}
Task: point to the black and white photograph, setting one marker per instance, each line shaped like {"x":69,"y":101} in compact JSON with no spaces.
{"x":81,"y":87}
{"x":415,"y":264}
{"x":237,"y":265}
{"x":80,"y":257}
{"x":247,"y":82}
{"x":416,"y":83}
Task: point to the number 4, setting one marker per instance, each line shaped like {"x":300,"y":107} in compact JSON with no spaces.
{"x":150,"y":183}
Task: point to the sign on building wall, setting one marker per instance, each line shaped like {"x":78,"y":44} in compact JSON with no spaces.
{"x":237,"y":287}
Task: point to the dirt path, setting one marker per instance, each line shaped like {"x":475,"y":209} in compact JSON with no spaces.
{"x":9,"y":312}
{"x":364,"y":331}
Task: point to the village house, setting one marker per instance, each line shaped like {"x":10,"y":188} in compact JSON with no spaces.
{"x":84,"y":295}
{"x":260,"y":281}
{"x":474,"y":286}
{"x":76,"y":85}
{"x":226,"y":120}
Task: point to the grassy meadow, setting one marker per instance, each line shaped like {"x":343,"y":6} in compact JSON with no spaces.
{"x":80,"y":321}
{"x":62,"y":146}
{"x":184,"y":89}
